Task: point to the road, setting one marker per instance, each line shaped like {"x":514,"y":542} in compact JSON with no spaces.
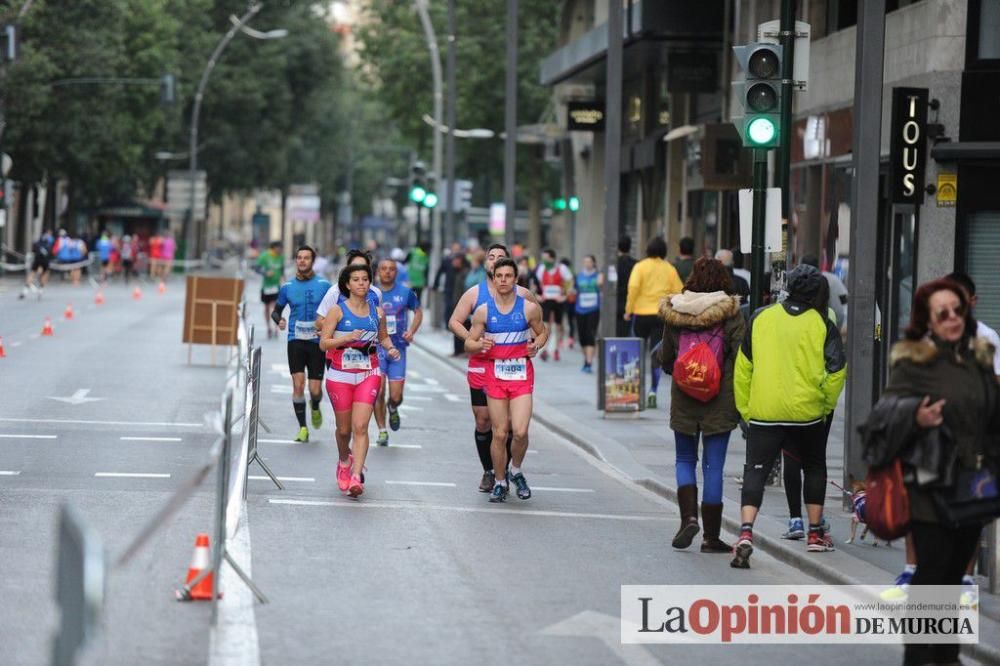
{"x":421,"y":569}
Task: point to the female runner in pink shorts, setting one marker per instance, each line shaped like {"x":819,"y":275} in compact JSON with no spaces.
{"x":351,"y":332}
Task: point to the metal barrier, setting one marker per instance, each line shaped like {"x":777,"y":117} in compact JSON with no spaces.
{"x":80,"y":580}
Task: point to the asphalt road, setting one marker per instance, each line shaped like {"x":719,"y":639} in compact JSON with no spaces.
{"x":421,"y":569}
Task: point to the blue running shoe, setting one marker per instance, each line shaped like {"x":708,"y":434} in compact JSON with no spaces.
{"x":795,"y":531}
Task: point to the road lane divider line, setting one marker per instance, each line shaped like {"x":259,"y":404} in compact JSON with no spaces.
{"x":16,"y":344}
{"x":7,"y":472}
{"x":131,"y":475}
{"x":451,"y":397}
{"x":432,"y":381}
{"x":302,"y":479}
{"x":404,"y":446}
{"x":421,"y":398}
{"x":541,"y":513}
{"x":11,"y":436}
{"x":563,"y":490}
{"x":150,"y":439}
{"x":157,"y":424}
{"x":437,"y":484}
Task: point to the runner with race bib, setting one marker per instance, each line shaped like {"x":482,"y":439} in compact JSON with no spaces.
{"x":588,"y":308}
{"x":501,"y":330}
{"x":351,"y":333}
{"x":554,"y":278}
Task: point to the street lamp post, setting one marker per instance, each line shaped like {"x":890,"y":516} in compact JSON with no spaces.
{"x":432,"y":47}
{"x":238,"y":24}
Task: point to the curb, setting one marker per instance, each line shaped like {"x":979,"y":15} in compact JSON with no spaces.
{"x":776,"y":548}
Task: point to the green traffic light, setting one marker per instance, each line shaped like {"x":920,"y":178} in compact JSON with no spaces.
{"x":574,"y":204}
{"x":761,"y":131}
{"x":431,"y":200}
{"x":418,"y":194}
{"x":559,"y":204}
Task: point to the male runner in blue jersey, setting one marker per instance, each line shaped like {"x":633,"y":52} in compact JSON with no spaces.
{"x":397,"y":302}
{"x":303,"y":295}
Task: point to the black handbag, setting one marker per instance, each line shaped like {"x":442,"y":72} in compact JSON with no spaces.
{"x":973,"y":499}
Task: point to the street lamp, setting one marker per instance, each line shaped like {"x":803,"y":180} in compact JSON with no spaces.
{"x":238,"y":24}
{"x":475,"y":133}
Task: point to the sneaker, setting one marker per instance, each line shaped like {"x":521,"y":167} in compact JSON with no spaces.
{"x":393,"y":416}
{"x":523,"y":491}
{"x":555,"y":356}
{"x":383,"y":438}
{"x":569,"y":343}
{"x":742,"y":551}
{"x":795,"y":531}
{"x":357,"y":486}
{"x":900,"y":590}
{"x":486,"y":485}
{"x":819,"y":542}
{"x":317,"y":419}
{"x":343,"y":476}
{"x":499,"y":493}
{"x":544,"y":355}
{"x":651,"y":400}
{"x":303,"y":435}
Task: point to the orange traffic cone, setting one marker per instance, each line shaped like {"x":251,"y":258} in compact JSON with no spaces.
{"x":69,"y":311}
{"x":3,"y":354}
{"x":137,"y":293}
{"x":162,"y":288}
{"x":99,"y":298}
{"x":202,"y":590}
{"x":47,"y":328}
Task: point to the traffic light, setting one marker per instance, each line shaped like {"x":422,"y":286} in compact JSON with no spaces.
{"x":417,"y":193}
{"x":558,"y":204}
{"x":418,"y":183}
{"x":168,"y":89}
{"x":574,"y":204}
{"x":430,"y":200}
{"x":760,"y":93}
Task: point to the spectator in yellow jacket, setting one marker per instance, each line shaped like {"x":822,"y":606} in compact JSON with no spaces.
{"x":652,"y":280}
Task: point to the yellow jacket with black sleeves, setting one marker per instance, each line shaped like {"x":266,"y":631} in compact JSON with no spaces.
{"x":790,"y":368}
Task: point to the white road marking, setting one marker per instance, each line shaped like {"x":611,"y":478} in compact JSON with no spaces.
{"x":29,"y":436}
{"x":605,"y":628}
{"x":35,"y":336}
{"x":131,"y":475}
{"x":410,"y":408}
{"x":438,"y":484}
{"x":276,"y":441}
{"x":157,"y":424}
{"x":151,"y":439}
{"x":16,"y":344}
{"x":233,"y":639}
{"x":420,"y":398}
{"x":451,"y":397}
{"x":563,"y":490}
{"x":79,"y":397}
{"x":377,"y":504}
{"x":531,"y":451}
{"x":414,"y":374}
{"x":432,"y":381}
{"x":5,"y":472}
{"x":405,"y":446}
{"x":426,"y":388}
{"x":282,"y":389}
{"x":303,"y":479}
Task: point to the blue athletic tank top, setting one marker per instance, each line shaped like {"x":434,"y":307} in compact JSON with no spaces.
{"x":509,"y":332}
{"x":302,"y":296}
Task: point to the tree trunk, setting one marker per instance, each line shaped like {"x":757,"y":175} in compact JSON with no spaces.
{"x":535,"y":157}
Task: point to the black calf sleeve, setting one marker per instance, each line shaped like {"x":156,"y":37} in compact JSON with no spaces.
{"x":483,"y":441}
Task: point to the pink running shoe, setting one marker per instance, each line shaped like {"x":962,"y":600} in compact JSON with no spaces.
{"x":356,"y":486}
{"x":343,"y":476}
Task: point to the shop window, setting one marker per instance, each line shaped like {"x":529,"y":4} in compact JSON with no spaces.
{"x":982,"y":259}
{"x":982,"y":43}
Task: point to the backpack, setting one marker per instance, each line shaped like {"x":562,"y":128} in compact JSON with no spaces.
{"x":698,"y":369}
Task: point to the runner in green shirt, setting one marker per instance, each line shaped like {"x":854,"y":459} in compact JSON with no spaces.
{"x":417,"y":266}
{"x":271,"y":265}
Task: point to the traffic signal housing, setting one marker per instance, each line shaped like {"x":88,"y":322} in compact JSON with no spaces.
{"x":759,"y":91}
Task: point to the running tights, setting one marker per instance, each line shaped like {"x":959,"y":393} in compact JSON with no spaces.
{"x":792,"y":472}
{"x":711,"y":465}
{"x":806,"y":442}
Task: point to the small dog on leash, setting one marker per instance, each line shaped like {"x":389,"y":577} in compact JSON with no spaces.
{"x":859,"y":500}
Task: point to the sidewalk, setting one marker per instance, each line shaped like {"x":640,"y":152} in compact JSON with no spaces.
{"x":641,"y":448}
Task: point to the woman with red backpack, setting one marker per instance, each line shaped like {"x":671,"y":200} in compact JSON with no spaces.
{"x":702,"y":332}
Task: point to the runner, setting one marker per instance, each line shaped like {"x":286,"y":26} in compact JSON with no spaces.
{"x":588,"y":284}
{"x":500,"y":329}
{"x":271,"y":265}
{"x":302,"y":295}
{"x":104,"y":246}
{"x":553,"y":277}
{"x":333,"y":295}
{"x":349,"y":337}
{"x":397,"y":301}
{"x":41,"y":252}
{"x":467,"y":304}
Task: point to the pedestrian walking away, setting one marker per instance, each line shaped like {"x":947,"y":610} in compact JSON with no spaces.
{"x":588,"y":284}
{"x":271,"y":265}
{"x":702,"y":332}
{"x":652,"y":280}
{"x":570,"y":308}
{"x":41,"y":257}
{"x":302,"y":295}
{"x":500,"y":330}
{"x":622,"y":273}
{"x":351,"y":331}
{"x":684,"y":263}
{"x":554,"y":278}
{"x":419,"y":265}
{"x":788,"y":375}
{"x":398,"y":301}
{"x":470,"y":301}
{"x":940,"y":415}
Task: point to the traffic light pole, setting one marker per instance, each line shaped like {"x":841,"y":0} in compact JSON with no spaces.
{"x":757,"y":257}
{"x":784,"y":161}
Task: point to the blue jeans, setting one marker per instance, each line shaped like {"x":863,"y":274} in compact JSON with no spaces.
{"x":711,"y":465}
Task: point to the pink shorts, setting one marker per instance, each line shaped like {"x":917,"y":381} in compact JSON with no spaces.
{"x":477,"y":372}
{"x":343,"y":394}
{"x":501,"y":389}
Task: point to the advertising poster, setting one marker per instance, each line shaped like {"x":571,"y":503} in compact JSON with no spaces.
{"x":621,"y":374}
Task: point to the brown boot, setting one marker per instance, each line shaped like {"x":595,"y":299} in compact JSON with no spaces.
{"x":711,"y":518}
{"x":687,"y":498}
